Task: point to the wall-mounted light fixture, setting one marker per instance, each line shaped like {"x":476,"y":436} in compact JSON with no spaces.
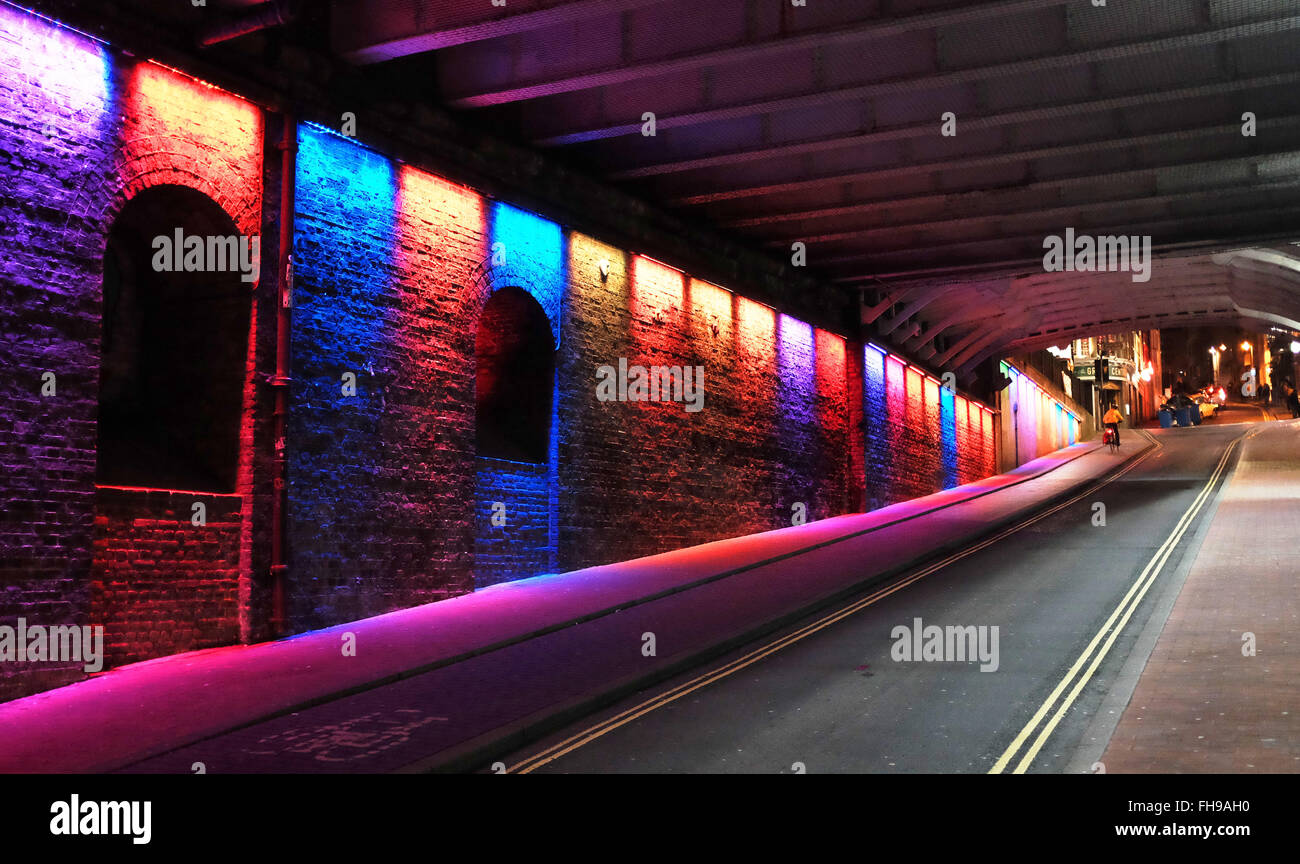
{"x":604,"y":269}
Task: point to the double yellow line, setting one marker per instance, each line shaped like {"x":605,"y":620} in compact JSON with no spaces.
{"x":609,"y":724}
{"x":1114,"y":625}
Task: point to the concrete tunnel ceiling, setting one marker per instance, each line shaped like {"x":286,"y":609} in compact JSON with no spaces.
{"x":821,"y":124}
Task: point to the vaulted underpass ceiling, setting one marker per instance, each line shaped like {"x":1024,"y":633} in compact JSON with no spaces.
{"x":824,"y":124}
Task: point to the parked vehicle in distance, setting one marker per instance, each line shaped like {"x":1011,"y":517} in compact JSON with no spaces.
{"x":1215,"y":394}
{"x":1207,"y":406}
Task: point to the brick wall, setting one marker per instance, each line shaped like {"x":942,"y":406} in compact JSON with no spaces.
{"x":524,"y":541}
{"x":920,"y":437}
{"x":393,"y":267}
{"x":1037,"y":418}
{"x":83,"y":132}
{"x":381,"y":483}
{"x":656,"y":476}
{"x":160,"y":583}
{"x":55,"y":131}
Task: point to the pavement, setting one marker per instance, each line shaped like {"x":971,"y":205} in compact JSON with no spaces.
{"x":1221,"y":690}
{"x":451,"y":684}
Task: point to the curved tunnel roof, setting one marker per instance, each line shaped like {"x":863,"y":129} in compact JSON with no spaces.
{"x":921,"y":149}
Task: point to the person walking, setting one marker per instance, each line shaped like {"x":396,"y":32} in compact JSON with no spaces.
{"x":1292,"y":400}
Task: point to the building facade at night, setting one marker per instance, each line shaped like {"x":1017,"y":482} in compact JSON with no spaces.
{"x":402,"y":404}
{"x":1133,"y":365}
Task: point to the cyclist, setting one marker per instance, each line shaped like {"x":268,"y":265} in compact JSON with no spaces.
{"x":1112,"y":420}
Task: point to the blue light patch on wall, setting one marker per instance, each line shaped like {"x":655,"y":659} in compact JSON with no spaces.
{"x":345,"y":210}
{"x":875,"y":416}
{"x":534,"y":259}
{"x":948,"y":429}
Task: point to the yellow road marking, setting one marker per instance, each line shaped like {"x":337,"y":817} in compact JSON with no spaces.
{"x":609,"y":724}
{"x":1125,"y":609}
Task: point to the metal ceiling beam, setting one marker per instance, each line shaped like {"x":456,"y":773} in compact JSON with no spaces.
{"x":931,"y":81}
{"x":908,"y":311}
{"x":1059,"y":111}
{"x":1021,"y":268}
{"x":1041,"y":212}
{"x":372,"y":31}
{"x":1002,"y":157}
{"x":955,"y":200}
{"x":972,"y":341}
{"x":1147,"y":226}
{"x":749,"y":51}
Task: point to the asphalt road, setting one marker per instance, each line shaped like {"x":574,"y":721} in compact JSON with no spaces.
{"x":837,"y":700}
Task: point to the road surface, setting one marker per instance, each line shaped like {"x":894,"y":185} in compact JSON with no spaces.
{"x":837,"y":701}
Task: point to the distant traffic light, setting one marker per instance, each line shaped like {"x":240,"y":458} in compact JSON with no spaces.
{"x":1101,"y":370}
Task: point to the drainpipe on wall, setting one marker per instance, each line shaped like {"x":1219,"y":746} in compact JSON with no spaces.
{"x":276,"y":13}
{"x":280,"y":497}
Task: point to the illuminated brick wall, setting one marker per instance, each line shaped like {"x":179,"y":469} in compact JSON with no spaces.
{"x":162,"y":584}
{"x":920,"y":437}
{"x":84,"y":132}
{"x":1034,"y":422}
{"x":390,"y":504}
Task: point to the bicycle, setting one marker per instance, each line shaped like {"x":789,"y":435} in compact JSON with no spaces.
{"x":1110,"y":439}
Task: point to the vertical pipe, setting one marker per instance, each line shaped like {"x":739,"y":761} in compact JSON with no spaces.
{"x":279,"y":500}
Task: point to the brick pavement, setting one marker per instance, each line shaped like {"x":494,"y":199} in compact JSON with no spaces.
{"x":1201,"y":706}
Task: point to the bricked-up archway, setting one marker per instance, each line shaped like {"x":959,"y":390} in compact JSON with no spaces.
{"x":515,"y":378}
{"x":514,"y":469}
{"x":174,"y":349}
{"x":171,"y":480}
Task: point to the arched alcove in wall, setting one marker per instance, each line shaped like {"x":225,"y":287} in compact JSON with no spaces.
{"x":174,"y":339}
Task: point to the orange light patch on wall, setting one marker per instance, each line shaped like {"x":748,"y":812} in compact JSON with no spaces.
{"x":658,"y":296}
{"x":439,"y":223}
{"x":220,"y":134}
{"x":710,"y":302}
{"x":585,"y":257}
{"x":916,"y":406}
{"x":933,"y":418}
{"x":438,"y":227}
{"x":712,"y":326}
{"x":755,"y":333}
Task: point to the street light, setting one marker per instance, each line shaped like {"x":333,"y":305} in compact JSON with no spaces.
{"x":1295,"y":347}
{"x":1246,"y":346}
